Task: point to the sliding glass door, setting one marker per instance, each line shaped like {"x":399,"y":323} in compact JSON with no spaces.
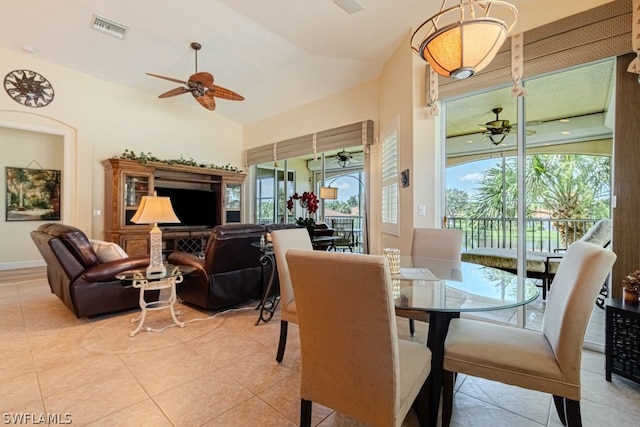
{"x":340,"y":171}
{"x":526,"y":177}
{"x":271,"y":188}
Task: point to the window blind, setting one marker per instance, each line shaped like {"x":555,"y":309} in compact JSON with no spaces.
{"x":331,"y":139}
{"x":389,"y":194}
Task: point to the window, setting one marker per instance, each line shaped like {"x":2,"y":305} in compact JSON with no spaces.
{"x":267,"y":181}
{"x":264,"y":196}
{"x":389,"y":185}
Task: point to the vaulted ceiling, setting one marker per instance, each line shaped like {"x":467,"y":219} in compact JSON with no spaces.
{"x":278,"y":54}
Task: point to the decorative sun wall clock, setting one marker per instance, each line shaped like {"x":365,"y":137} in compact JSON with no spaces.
{"x":28,"y":88}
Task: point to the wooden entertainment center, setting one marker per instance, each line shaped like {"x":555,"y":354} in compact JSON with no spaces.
{"x":214,"y":197}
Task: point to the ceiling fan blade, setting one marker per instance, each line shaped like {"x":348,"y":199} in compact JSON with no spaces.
{"x":174,"y":92}
{"x":220,"y":92}
{"x":206,"y":80}
{"x":171,"y":79}
{"x":206,"y":100}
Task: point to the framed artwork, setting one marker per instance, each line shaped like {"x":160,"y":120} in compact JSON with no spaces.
{"x":33,"y":194}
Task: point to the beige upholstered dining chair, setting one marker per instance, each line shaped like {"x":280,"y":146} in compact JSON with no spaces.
{"x":282,"y":241}
{"x":352,"y":359}
{"x":547,"y":361}
{"x":441,"y":243}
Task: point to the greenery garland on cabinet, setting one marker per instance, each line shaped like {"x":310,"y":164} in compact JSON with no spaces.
{"x":145,"y":158}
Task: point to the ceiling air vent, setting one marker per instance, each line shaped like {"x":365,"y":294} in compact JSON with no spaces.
{"x":109,"y":27}
{"x":349,"y":6}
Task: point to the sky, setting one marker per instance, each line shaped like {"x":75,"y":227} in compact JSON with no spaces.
{"x":467,"y":176}
{"x":347,"y":187}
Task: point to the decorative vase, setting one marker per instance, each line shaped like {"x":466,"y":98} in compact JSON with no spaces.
{"x":629,"y":297}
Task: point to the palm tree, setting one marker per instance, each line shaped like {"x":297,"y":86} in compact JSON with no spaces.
{"x":570,"y":187}
{"x":561,"y":186}
{"x":19,"y":182}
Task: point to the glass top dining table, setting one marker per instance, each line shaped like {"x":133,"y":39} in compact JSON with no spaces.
{"x":444,"y":289}
{"x":438,"y":285}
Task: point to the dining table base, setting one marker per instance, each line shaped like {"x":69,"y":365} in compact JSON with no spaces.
{"x":438,"y":328}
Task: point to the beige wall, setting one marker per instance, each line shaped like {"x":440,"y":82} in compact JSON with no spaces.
{"x":396,"y":93}
{"x":32,"y":150}
{"x":97,"y":120}
{"x":138,"y":121}
{"x":533,"y":14}
{"x":352,"y":105}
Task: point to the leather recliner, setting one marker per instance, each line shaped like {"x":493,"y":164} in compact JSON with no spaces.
{"x":230,"y":273}
{"x":84,"y":284}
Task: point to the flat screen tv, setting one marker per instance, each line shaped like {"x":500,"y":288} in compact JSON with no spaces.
{"x":194,"y":208}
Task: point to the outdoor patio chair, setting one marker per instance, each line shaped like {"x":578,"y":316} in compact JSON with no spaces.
{"x":343,"y":228}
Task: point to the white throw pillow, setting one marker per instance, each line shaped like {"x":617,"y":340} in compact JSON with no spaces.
{"x":107,"y":251}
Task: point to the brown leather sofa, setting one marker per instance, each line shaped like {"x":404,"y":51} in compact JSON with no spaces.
{"x":84,"y":284}
{"x":231,"y":272}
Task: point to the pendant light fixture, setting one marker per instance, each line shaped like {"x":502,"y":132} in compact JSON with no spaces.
{"x":463,"y":39}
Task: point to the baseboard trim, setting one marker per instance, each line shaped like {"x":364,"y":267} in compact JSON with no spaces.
{"x":22,"y":264}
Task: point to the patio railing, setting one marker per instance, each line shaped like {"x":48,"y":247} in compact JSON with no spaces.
{"x":357,"y":227}
{"x":543,"y":234}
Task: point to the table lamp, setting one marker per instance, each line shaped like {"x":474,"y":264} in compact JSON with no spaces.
{"x":152,"y":210}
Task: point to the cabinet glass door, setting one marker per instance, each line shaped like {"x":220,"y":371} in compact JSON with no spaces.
{"x":232,"y":202}
{"x":135,"y":186}
{"x":232,"y":197}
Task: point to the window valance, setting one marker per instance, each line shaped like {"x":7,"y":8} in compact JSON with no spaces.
{"x":359,"y":133}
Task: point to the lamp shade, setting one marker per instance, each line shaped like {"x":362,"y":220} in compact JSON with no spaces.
{"x":458,"y":43}
{"x":329,"y":193}
{"x":154,"y":209}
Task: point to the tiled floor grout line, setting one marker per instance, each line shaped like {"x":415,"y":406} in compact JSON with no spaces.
{"x":28,"y":291}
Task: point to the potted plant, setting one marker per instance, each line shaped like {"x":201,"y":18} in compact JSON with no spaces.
{"x":309,"y":202}
{"x":631,"y":288}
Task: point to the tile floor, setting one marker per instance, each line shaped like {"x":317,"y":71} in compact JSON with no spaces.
{"x":217,"y":371}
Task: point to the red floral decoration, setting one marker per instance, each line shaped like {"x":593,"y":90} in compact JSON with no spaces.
{"x":308,"y":200}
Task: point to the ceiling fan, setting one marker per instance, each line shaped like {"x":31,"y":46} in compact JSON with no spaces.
{"x":201,"y":86}
{"x":497,"y":130}
{"x":343,"y":158}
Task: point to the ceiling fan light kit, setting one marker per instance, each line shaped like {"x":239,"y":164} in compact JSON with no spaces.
{"x":497,"y":129}
{"x":463,"y":39}
{"x":200,"y":85}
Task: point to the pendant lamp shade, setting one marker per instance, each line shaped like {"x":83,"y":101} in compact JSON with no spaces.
{"x":462,"y":40}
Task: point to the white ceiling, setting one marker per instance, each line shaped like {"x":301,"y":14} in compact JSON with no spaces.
{"x":575,"y":105}
{"x":278,"y":54}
